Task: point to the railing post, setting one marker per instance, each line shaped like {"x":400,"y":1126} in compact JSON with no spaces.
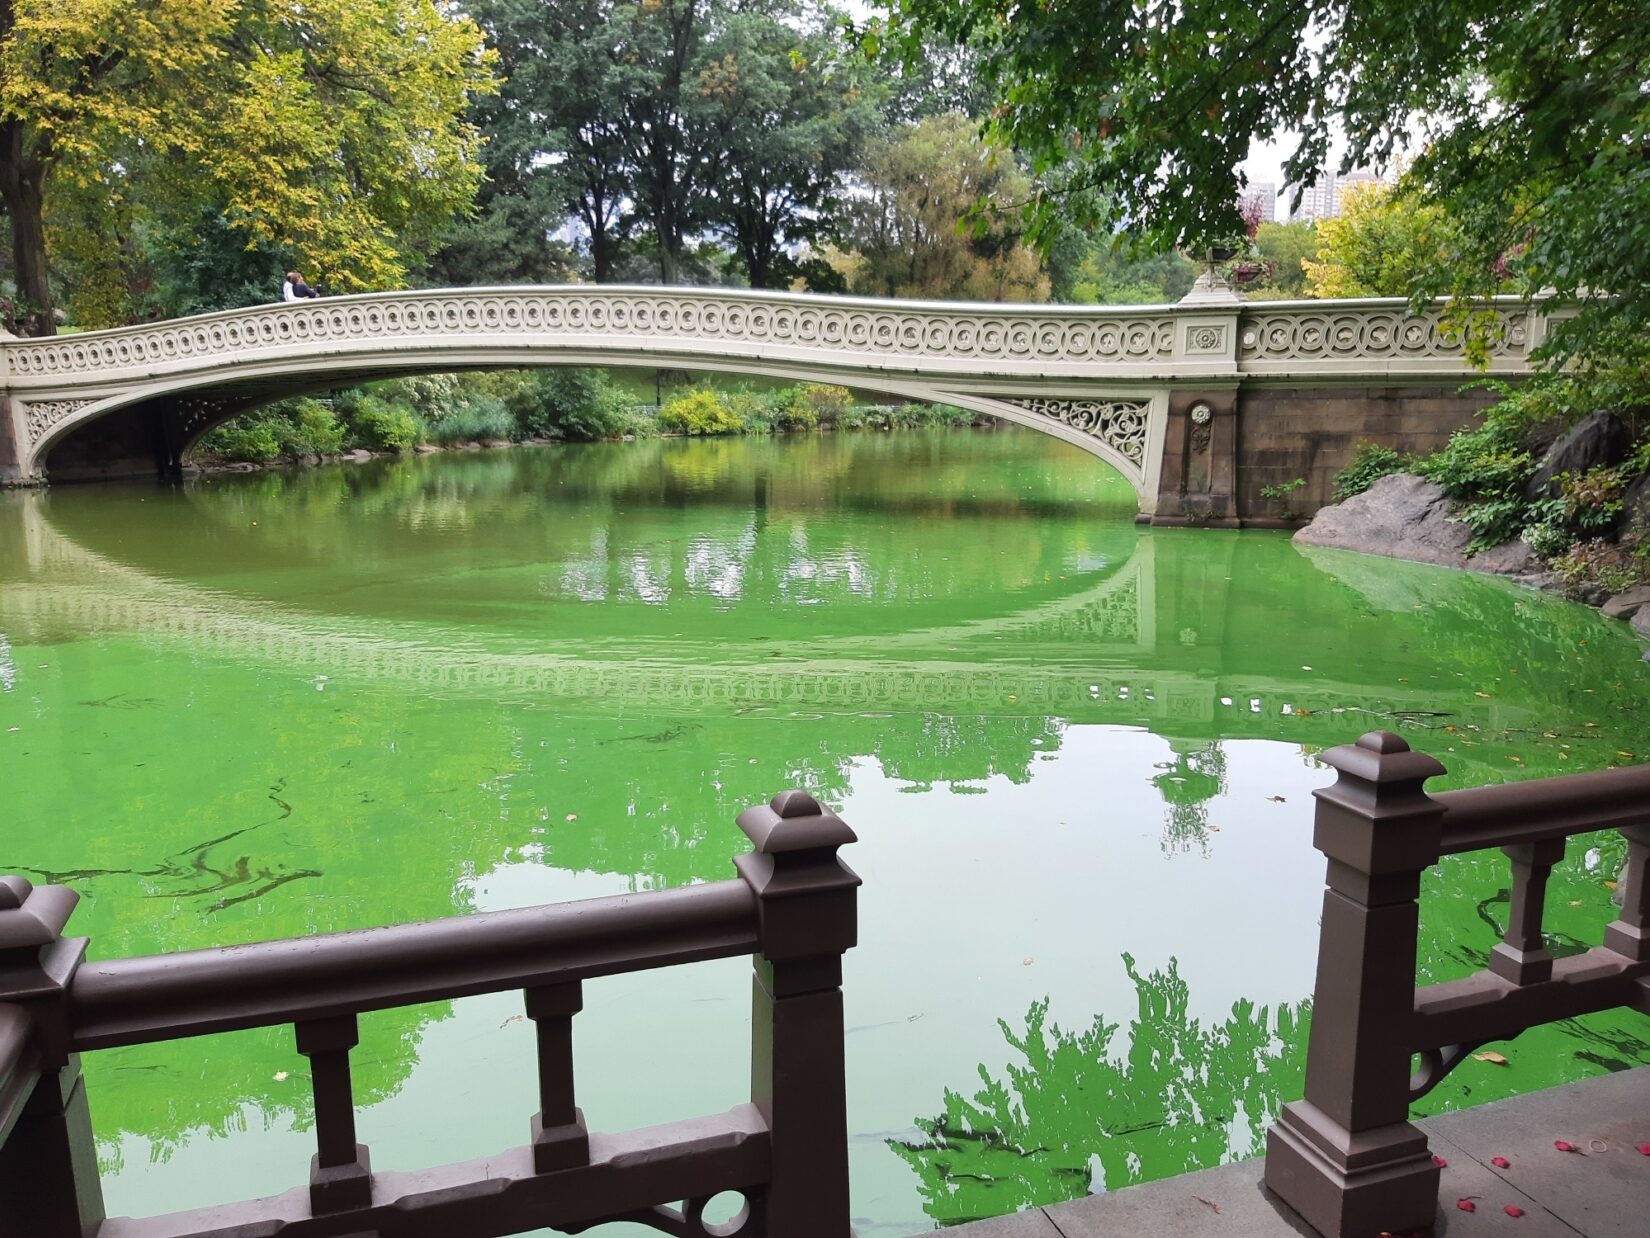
{"x":560,"y":1137}
{"x":806,"y":921}
{"x":1630,"y":934}
{"x":49,"y":1186}
{"x":1346,"y":1157}
{"x":340,"y":1173}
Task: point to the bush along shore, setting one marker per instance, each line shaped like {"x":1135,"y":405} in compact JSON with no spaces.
{"x":1550,"y":487}
{"x":458,"y":411}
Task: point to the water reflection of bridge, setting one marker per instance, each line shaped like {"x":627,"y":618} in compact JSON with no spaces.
{"x":1109,"y":652}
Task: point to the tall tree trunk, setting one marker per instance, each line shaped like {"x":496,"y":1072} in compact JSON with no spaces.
{"x":22,"y":188}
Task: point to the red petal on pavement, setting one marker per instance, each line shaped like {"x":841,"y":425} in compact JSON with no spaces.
{"x":1443,"y":1164}
{"x":1466,"y":1205}
{"x":1500,"y":1162}
{"x":1513,"y":1210}
{"x":1644,"y":1149}
{"x":1564,"y":1145}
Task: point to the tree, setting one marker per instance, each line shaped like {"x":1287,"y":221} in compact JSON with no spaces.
{"x":909,"y":233}
{"x":1529,"y":122}
{"x":1382,"y":244}
{"x":795,"y":113}
{"x":1284,"y":247}
{"x":335,"y":129}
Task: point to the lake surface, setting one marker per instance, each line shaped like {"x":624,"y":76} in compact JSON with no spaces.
{"x":1079,"y":755}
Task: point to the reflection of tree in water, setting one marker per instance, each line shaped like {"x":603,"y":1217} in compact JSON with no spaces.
{"x":1075,"y":1117}
{"x":1187,"y":784}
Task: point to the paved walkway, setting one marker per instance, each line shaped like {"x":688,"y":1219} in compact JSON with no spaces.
{"x":1604,"y":1192}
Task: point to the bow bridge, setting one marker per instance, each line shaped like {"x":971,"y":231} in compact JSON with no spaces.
{"x":1200,"y":405}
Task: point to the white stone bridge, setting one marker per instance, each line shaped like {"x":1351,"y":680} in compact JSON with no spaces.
{"x":1199,"y":404}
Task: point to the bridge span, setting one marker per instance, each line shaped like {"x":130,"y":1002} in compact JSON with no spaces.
{"x":1200,"y":405}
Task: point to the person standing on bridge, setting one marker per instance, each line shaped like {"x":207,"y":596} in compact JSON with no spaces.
{"x":294,"y":289}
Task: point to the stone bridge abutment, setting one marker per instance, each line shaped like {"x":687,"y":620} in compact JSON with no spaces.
{"x":1200,"y":405}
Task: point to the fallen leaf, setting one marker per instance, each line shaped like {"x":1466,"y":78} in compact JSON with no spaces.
{"x":1277,"y":799}
{"x":515,"y":1018}
{"x":1027,"y":962}
{"x":1484,"y":695}
{"x":1609,"y":885}
{"x":1500,"y":1162}
{"x":280,"y":1076}
{"x":572,"y":816}
{"x":1490,"y":1056}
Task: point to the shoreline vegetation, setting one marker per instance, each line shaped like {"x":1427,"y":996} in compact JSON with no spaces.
{"x":1550,"y":486}
{"x":456,"y":411}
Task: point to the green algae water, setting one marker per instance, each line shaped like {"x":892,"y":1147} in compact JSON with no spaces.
{"x":1079,"y":755}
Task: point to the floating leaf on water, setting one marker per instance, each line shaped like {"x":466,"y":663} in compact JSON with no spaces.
{"x":280,"y":1076}
{"x":1490,"y":1056}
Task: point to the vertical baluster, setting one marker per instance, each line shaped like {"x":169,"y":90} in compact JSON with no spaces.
{"x":1521,"y":956}
{"x":1346,"y":1157}
{"x":560,"y":1138}
{"x":807,"y":921}
{"x":1630,"y":934}
{"x":340,"y":1173}
{"x":49,"y":1186}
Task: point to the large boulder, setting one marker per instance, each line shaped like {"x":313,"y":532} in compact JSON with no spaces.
{"x":1635,"y":504}
{"x":1626,"y":605}
{"x":1641,"y":624}
{"x":1403,"y":516}
{"x":1598,"y":438}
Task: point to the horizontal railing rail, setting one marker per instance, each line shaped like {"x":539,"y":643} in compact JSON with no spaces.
{"x":785,"y":1151}
{"x":1346,"y":1157}
{"x":171,"y":996}
{"x":1543,"y":809}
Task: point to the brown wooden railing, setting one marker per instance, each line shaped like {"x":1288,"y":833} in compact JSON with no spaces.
{"x":1346,"y":1157}
{"x":792,"y":908}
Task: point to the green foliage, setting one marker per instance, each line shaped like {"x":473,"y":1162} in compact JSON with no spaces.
{"x":1533,"y":135}
{"x":334,"y":130}
{"x":254,"y":443}
{"x":904,"y":236}
{"x":481,"y":419}
{"x":672,"y":119}
{"x":1284,"y":247}
{"x":1370,"y":463}
{"x":701,"y":411}
{"x":314,"y":432}
{"x":377,"y":424}
{"x":1382,"y":244}
{"x":815,"y":404}
{"x":1087,"y":272}
{"x":581,"y":405}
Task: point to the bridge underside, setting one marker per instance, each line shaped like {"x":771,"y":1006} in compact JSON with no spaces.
{"x":1217,"y":449}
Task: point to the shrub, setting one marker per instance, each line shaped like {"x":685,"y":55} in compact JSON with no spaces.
{"x":482,"y":418}
{"x":251,"y":443}
{"x":816,"y":404}
{"x":310,"y":430}
{"x":701,"y":411}
{"x":378,"y":424}
{"x":1370,"y":463}
{"x":578,"y":404}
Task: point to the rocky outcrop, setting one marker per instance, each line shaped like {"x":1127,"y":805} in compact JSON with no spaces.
{"x":1597,"y":439}
{"x":1626,"y":605}
{"x":1403,"y":516}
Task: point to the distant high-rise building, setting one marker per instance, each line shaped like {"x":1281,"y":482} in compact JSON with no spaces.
{"x":1265,"y":193}
{"x":1318,"y":199}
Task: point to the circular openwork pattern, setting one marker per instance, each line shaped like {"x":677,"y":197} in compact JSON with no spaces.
{"x":699,"y":319}
{"x":1348,"y":334}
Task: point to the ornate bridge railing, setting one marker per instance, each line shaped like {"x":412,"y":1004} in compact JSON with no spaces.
{"x":793,"y":908}
{"x":1346,"y":1157}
